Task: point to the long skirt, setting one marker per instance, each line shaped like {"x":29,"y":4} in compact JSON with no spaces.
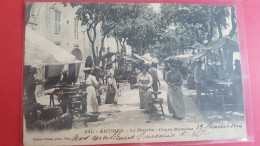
{"x":92,"y":103}
{"x":145,"y":98}
{"x":175,"y":102}
{"x":110,"y":98}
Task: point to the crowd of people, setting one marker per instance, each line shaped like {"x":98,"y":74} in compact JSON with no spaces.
{"x":148,"y":85}
{"x":94,"y":90}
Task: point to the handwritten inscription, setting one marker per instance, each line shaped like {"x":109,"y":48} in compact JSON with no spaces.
{"x":145,"y":134}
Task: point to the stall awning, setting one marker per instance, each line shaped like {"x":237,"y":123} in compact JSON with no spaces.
{"x":146,"y":58}
{"x":41,"y":51}
{"x":108,"y":55}
{"x":179,"y":57}
{"x":202,"y":54}
{"x":214,"y":45}
{"x":128,"y":58}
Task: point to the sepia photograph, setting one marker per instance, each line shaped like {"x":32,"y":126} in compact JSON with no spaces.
{"x":107,"y":73}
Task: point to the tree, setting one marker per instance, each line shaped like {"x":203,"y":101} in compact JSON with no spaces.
{"x":107,"y":15}
{"x":233,"y":21}
{"x":205,"y":21}
{"x":90,"y":15}
{"x":113,"y":15}
{"x":140,"y":31}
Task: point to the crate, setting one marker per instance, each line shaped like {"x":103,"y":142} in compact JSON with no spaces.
{"x":123,"y":87}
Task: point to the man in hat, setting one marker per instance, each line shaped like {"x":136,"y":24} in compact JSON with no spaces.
{"x":198,"y":76}
{"x":153,"y":73}
{"x":237,"y":83}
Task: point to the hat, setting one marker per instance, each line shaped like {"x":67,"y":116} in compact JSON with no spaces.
{"x":88,"y":69}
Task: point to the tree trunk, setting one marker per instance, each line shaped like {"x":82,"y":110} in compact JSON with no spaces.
{"x":92,"y":41}
{"x":219,"y":30}
{"x":117,"y":46}
{"x":211,"y":33}
{"x":102,"y":42}
{"x":234,"y":24}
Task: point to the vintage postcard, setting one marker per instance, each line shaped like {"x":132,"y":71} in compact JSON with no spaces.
{"x":107,"y":73}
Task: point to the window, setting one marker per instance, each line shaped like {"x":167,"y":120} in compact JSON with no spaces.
{"x":57,"y":22}
{"x":76,"y":32}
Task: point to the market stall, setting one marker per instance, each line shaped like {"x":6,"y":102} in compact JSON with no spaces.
{"x":126,"y":73}
{"x":50,"y":61}
{"x":217,"y":57}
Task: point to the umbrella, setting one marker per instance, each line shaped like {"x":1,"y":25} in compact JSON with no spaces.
{"x":41,"y":51}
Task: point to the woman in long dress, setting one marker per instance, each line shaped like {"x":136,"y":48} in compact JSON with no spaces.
{"x":144,"y":80}
{"x":111,"y":91}
{"x":91,"y":85}
{"x":175,"y":94}
{"x":111,"y":85}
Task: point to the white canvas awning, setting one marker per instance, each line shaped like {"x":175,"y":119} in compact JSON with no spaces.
{"x":41,"y":51}
{"x":146,"y":58}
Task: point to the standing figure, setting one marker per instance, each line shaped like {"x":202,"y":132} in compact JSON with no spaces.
{"x":198,"y":77}
{"x":65,"y":78}
{"x":111,"y":91}
{"x":30,"y":87}
{"x":91,"y":85}
{"x":153,"y":73}
{"x":175,"y":95}
{"x":144,"y":80}
{"x":237,"y":83}
{"x":166,"y":68}
{"x":111,"y":85}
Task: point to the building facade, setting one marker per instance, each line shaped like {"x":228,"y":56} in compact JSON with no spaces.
{"x":58,"y":23}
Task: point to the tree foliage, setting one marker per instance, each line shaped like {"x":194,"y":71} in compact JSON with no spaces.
{"x":170,"y":32}
{"x":140,"y":31}
{"x":107,"y":15}
{"x":203,"y":21}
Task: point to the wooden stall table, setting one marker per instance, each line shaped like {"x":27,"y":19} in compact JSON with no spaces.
{"x":223,"y":89}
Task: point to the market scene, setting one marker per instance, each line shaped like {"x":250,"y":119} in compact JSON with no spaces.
{"x":99,"y":65}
